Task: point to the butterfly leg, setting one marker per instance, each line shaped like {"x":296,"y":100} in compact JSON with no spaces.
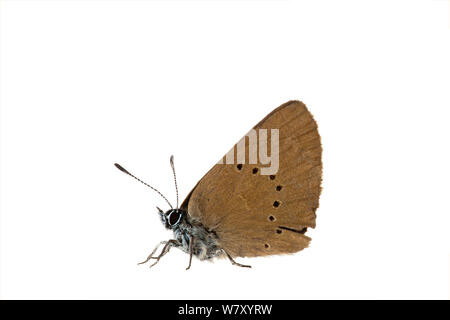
{"x":191,"y":251}
{"x":166,"y":248}
{"x":150,"y":256}
{"x":234,"y":262}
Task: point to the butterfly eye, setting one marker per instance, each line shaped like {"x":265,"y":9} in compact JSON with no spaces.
{"x":174,"y":217}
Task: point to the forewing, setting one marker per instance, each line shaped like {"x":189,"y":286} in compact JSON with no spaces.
{"x":254,"y":214}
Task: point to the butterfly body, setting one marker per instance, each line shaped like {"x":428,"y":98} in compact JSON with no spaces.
{"x":251,"y":204}
{"x":190,"y":235}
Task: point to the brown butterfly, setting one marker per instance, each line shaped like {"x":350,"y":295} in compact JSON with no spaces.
{"x":245,"y":208}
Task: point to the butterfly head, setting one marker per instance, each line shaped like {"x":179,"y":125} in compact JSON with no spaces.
{"x":171,"y":218}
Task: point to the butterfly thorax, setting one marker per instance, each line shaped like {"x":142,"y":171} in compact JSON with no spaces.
{"x":205,"y":244}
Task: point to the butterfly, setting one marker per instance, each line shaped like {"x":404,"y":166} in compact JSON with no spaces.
{"x":244,"y":208}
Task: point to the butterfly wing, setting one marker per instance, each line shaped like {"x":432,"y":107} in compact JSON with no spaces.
{"x":254,"y":214}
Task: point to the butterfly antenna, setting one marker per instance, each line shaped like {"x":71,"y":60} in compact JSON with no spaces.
{"x":118,"y":166}
{"x":174,"y":176}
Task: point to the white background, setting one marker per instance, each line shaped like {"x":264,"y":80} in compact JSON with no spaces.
{"x":89,"y":83}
